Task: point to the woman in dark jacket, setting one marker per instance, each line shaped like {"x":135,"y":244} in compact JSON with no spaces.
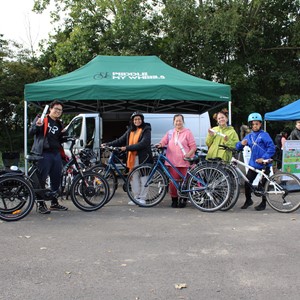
{"x":136,"y":141}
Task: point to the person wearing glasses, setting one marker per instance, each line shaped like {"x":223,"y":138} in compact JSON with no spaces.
{"x":136,"y":141}
{"x":48,"y":137}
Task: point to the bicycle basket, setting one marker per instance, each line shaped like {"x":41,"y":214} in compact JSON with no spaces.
{"x":87,"y":156}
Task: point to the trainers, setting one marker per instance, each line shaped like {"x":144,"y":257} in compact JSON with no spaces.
{"x":141,"y":201}
{"x":57,"y":207}
{"x":43,"y":209}
{"x":131,"y":203}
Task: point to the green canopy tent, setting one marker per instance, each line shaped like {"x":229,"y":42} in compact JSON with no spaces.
{"x":114,"y":85}
{"x":129,"y":83}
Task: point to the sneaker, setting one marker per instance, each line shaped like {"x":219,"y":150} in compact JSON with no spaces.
{"x":131,"y":203}
{"x":43,"y":209}
{"x":57,"y":207}
{"x":141,"y":201}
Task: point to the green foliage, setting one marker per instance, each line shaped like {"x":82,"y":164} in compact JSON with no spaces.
{"x":252,"y":45}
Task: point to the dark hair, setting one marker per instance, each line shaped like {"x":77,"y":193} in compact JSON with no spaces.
{"x":178,"y":115}
{"x":56,"y":102}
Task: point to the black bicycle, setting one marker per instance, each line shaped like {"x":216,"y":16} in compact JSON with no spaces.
{"x":89,"y":190}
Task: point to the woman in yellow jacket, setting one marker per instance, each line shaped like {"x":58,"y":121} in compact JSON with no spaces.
{"x":221,"y":135}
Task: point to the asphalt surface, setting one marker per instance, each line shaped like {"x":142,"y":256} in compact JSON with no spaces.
{"x":125,"y":252}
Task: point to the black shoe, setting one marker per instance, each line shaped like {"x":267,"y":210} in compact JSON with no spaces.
{"x":174,"y":202}
{"x":247,"y":204}
{"x":182,"y":203}
{"x":57,"y":206}
{"x":261,"y":206}
{"x":43,"y":209}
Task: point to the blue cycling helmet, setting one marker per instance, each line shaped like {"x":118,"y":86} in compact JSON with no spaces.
{"x":254,"y":117}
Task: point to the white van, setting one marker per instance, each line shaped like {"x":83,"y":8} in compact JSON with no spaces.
{"x":92,"y":129}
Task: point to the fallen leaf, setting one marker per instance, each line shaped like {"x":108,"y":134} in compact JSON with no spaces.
{"x":43,"y":248}
{"x":180,"y":286}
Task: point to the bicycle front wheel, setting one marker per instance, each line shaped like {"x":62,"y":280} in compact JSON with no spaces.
{"x":209,"y":188}
{"x":145,"y":191}
{"x":109,"y":175}
{"x":234,"y":187}
{"x":283,"y":192}
{"x":16,"y":198}
{"x":89,"y":191}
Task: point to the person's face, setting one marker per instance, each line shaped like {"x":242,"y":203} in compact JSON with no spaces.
{"x":298,"y":125}
{"x":137,"y":121}
{"x":255,"y":125}
{"x":178,"y":122}
{"x":222,"y":120}
{"x":56,"y":111}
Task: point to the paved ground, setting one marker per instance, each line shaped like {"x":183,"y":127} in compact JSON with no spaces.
{"x":124,"y":252}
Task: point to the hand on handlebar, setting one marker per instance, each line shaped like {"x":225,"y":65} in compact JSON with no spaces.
{"x":263,"y":161}
{"x":244,"y":142}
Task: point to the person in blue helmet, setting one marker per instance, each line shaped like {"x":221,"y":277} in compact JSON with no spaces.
{"x":262,"y":148}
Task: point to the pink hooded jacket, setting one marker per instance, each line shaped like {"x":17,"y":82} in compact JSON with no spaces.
{"x":174,"y":140}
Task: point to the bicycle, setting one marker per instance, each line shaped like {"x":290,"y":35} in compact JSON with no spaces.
{"x":282,"y":189}
{"x":70,"y":170}
{"x":111,"y":171}
{"x":233,"y":177}
{"x":18,"y":192}
{"x":208,"y":189}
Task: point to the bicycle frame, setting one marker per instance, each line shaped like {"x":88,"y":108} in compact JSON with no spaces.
{"x":235,"y":162}
{"x":112,"y":165}
{"x":180,"y":187}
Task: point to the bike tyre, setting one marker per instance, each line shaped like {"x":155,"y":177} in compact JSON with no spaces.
{"x":158,"y":185}
{"x":18,"y":189}
{"x":89,"y":191}
{"x":109,"y":175}
{"x":217,"y":191}
{"x":290,"y":185}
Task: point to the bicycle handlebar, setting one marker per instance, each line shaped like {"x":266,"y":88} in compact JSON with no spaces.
{"x":111,"y":148}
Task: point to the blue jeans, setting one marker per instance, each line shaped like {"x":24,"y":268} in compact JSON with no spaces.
{"x":51,"y":165}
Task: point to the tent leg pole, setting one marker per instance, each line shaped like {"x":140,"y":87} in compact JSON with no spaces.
{"x":229,"y":113}
{"x":25,"y":137}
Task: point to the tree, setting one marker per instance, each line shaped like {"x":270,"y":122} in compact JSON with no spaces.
{"x":251,"y":45}
{"x":16,"y":69}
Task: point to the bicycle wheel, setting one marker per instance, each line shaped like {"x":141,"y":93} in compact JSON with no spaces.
{"x":89,"y":191}
{"x":210,"y":188}
{"x":234,"y":187}
{"x":283,"y":192}
{"x":109,"y":175}
{"x":153,"y":193}
{"x":16,"y":198}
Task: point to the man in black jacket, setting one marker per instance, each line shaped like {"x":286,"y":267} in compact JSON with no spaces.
{"x":48,"y":135}
{"x":295,"y":134}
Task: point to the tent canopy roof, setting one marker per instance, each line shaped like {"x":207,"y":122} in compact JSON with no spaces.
{"x":290,"y":112}
{"x":129,"y":83}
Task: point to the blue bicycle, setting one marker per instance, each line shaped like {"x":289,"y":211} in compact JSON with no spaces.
{"x":208,"y":188}
{"x":114,"y":169}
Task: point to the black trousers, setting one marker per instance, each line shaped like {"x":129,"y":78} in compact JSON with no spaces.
{"x":251,"y":175}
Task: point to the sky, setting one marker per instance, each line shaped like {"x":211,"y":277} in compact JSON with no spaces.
{"x":18,"y":22}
